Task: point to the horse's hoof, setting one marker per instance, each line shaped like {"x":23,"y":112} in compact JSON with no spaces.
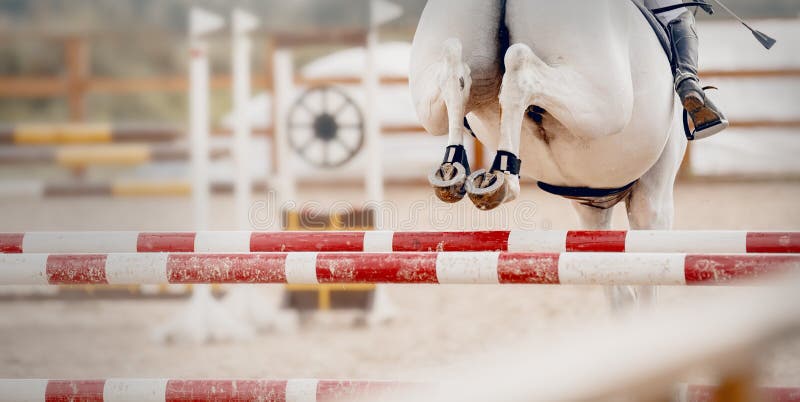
{"x":448,"y":182}
{"x":487,"y":190}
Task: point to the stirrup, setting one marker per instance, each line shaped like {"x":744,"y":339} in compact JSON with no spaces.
{"x":708,"y":129}
{"x":703,"y":131}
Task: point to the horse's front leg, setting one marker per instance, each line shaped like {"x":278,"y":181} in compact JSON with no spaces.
{"x":651,"y":204}
{"x":453,"y":83}
{"x":521,"y":82}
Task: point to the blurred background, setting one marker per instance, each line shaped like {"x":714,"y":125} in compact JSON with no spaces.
{"x":93,"y":136}
{"x":33,"y":32}
{"x":124,"y":64}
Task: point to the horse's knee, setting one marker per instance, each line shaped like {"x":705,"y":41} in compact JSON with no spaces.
{"x":428,"y":103}
{"x":593,"y":218}
{"x":653,"y":213}
{"x":624,"y":298}
{"x":518,"y":56}
{"x":620,"y":297}
{"x":433,"y":116}
{"x":442,"y":91}
{"x":453,"y":74}
{"x":452,"y":51}
{"x":522,"y":80}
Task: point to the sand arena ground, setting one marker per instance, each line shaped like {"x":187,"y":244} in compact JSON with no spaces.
{"x":436,"y":325}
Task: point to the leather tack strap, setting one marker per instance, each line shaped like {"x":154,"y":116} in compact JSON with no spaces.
{"x":466,"y":126}
{"x":506,"y":162}
{"x":702,"y":4}
{"x":457,"y":153}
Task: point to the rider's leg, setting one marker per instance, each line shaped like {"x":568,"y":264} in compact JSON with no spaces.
{"x":708,"y":119}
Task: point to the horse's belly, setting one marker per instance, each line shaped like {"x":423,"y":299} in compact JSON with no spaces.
{"x":605,"y":162}
{"x":553,"y":155}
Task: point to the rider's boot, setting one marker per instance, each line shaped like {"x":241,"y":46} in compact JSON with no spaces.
{"x":708,"y":120}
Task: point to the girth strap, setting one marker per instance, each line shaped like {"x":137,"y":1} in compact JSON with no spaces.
{"x":600,"y":198}
{"x":583,"y":191}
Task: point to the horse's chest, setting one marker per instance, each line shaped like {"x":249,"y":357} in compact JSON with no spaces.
{"x":485,"y":89}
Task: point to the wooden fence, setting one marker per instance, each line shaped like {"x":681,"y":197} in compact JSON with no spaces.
{"x":77,"y":82}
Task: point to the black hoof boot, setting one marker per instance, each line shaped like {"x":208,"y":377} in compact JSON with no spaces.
{"x":489,"y":190}
{"x":448,"y":180}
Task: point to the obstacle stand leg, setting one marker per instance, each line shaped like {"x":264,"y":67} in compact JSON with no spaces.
{"x":261,"y":307}
{"x":203,"y":320}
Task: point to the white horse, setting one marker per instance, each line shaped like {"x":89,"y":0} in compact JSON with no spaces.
{"x":580,"y":91}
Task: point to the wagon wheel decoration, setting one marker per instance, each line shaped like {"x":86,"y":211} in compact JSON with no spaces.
{"x":326,"y":127}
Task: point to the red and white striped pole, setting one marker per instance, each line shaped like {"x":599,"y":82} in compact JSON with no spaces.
{"x":708,"y":393}
{"x":401,"y":268}
{"x":299,"y":390}
{"x":387,"y":241}
{"x":164,"y":390}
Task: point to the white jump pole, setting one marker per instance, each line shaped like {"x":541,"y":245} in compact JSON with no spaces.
{"x":247,"y":302}
{"x":204,"y":319}
{"x":243,"y":24}
{"x":380,"y":12}
{"x":283,"y":69}
{"x":374,"y":172}
{"x":201,"y":22}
